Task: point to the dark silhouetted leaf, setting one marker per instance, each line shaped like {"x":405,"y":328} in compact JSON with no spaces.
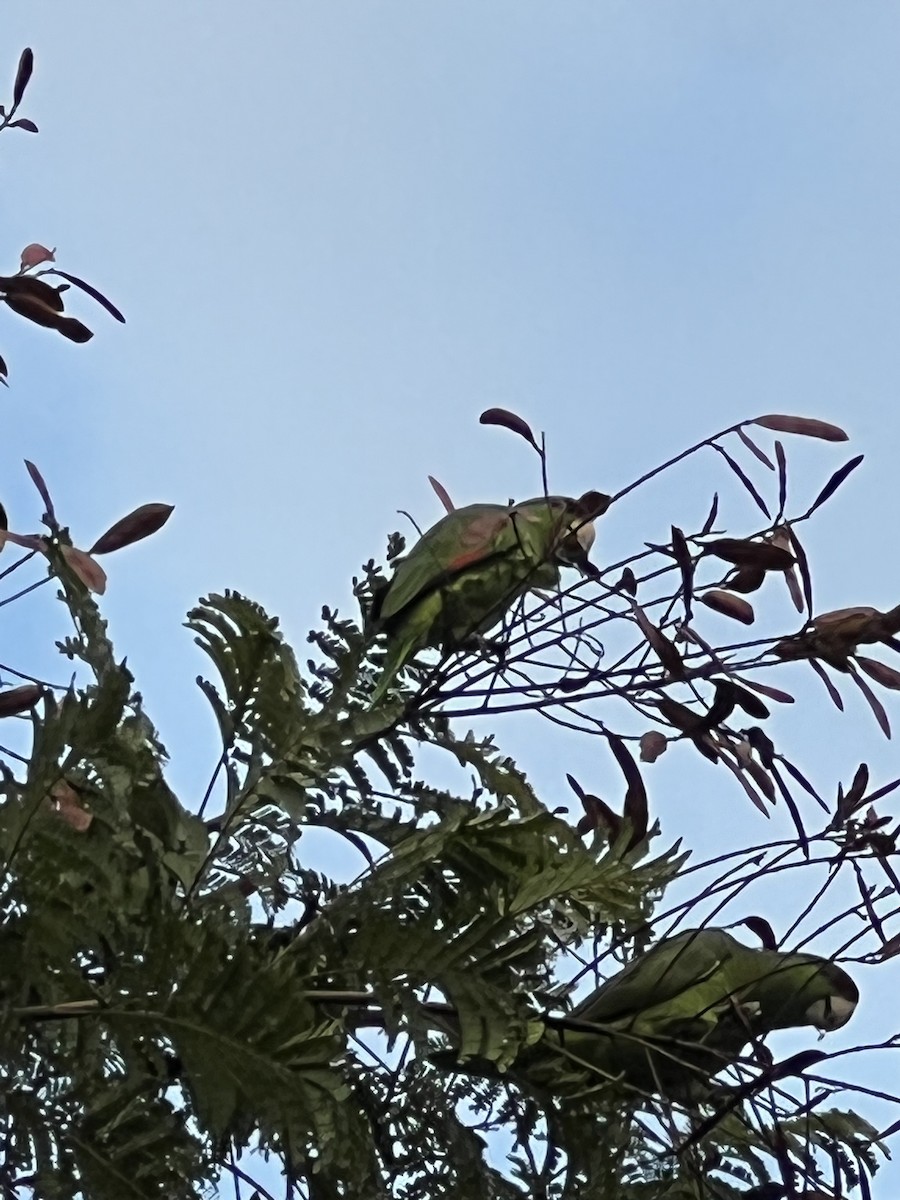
{"x":792,"y":808}
{"x":874,"y":703}
{"x":653,"y":744}
{"x":442,"y":494}
{"x":763,"y":745}
{"x":73,"y":329}
{"x":746,"y":552}
{"x":746,"y":579}
{"x":19,"y":699}
{"x":794,"y":590}
{"x":23,"y":74}
{"x":805,"y":426}
{"x":742,"y":779}
{"x":627,"y":582}
{"x":509,"y":420}
{"x":37,"y":289}
{"x":28,"y":541}
{"x":803,"y":565}
{"x":782,"y":478}
{"x":665,"y":650}
{"x":38,"y":480}
{"x":766,"y":689}
{"x":682,"y":554}
{"x":835,"y":482}
{"x":745,"y":479}
{"x":577,"y":683}
{"x":93,"y":293}
{"x":884,"y":791}
{"x":756,"y":450}
{"x":729,"y":605}
{"x":635,"y":809}
{"x":679,"y":715}
{"x":83,"y":566}
{"x":890,"y":949}
{"x":4,"y":522}
{"x":140,"y":523}
{"x":711,"y":516}
{"x":722,"y":706}
{"x":597,"y":812}
{"x":763,"y":930}
{"x":887,"y":676}
{"x":24,"y":123}
{"x":797,"y":774}
{"x":761,"y":778}
{"x":36,"y":310}
{"x":829,"y":686}
{"x":751,"y":704}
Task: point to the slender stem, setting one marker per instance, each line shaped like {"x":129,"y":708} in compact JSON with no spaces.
{"x":679,"y":457}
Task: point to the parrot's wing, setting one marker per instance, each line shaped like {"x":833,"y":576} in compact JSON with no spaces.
{"x":464,"y":538}
{"x":663,"y":975}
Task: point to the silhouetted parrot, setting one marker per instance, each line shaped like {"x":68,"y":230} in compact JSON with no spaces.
{"x":465,"y":572}
{"x":680,"y":1013}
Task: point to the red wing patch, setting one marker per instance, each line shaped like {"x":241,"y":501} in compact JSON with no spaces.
{"x":478,"y":539}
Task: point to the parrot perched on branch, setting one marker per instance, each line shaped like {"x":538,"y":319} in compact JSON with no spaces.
{"x":679,"y":1014}
{"x":464,"y":573}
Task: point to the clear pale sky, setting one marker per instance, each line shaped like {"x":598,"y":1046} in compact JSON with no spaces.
{"x":339,"y":231}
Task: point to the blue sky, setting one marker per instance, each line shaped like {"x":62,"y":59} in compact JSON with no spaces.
{"x":339,"y":231}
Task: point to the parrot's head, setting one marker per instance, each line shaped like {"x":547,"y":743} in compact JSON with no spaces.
{"x":831,"y":1012}
{"x":837,"y":999}
{"x":577,"y":533}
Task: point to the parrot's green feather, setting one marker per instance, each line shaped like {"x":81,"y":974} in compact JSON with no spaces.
{"x":469,"y":569}
{"x":680,"y":1013}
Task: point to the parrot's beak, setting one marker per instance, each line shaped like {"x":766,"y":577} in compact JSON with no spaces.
{"x":573,"y":550}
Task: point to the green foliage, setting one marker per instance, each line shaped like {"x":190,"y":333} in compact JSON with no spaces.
{"x":181,"y":987}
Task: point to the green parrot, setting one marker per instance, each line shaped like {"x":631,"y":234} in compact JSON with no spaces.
{"x":465,"y":572}
{"x":680,"y":1013}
